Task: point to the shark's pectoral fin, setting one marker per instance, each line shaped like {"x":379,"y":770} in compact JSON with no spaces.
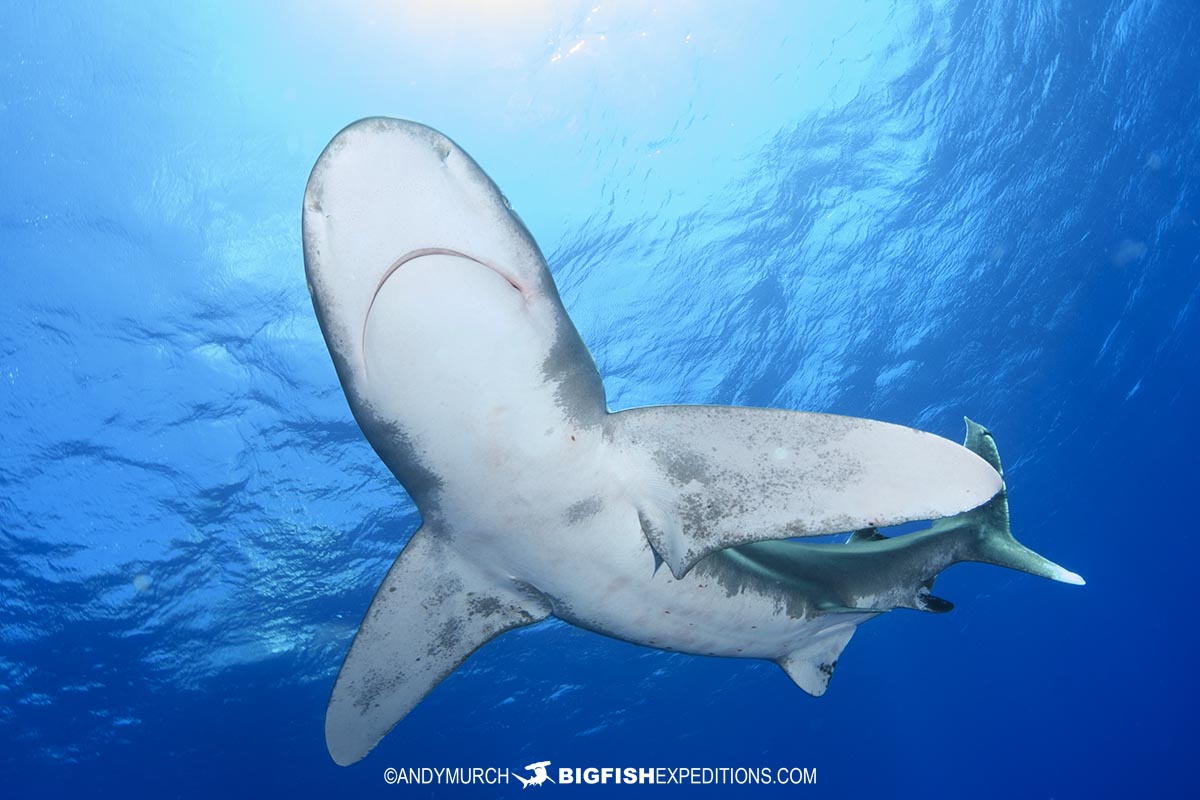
{"x":713,"y":477}
{"x":812,"y":666}
{"x":431,"y":611}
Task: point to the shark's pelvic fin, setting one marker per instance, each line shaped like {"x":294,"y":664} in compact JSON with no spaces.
{"x":716,"y":476}
{"x":812,"y":666}
{"x":432,"y":611}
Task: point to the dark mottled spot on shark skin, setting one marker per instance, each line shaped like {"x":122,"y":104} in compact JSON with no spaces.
{"x":685,"y":466}
{"x":569,"y":366}
{"x":375,"y":685}
{"x":484,"y":605}
{"x":581,"y":510}
{"x":827,"y":669}
{"x":833,"y":430}
{"x":447,"y":638}
{"x":841,"y":468}
{"x":710,"y":492}
{"x":699,"y":515}
{"x":437,"y":592}
{"x":736,"y":577}
{"x":405,"y":459}
{"x":500,"y":613}
{"x":531,"y":600}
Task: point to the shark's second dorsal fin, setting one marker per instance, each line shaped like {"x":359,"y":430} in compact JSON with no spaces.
{"x":812,"y":666}
{"x":866,"y":535}
{"x":432,"y":610}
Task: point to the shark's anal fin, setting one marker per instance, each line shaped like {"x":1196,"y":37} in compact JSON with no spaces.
{"x":713,"y":477}
{"x":432,"y":611}
{"x":812,"y":666}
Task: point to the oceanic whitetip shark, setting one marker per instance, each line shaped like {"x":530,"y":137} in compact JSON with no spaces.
{"x":468,"y":378}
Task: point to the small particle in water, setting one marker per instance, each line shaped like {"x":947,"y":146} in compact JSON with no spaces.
{"x":142,"y":582}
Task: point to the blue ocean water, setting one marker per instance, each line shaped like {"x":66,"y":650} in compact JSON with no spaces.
{"x":909,"y":212}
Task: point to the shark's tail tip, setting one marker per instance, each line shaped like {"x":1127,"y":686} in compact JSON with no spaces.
{"x":1066,"y":576}
{"x":998,"y":547}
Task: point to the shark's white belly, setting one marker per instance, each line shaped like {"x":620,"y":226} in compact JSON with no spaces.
{"x":565,"y":528}
{"x":618,"y":591}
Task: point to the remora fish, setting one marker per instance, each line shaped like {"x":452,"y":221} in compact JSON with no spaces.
{"x":466,"y":375}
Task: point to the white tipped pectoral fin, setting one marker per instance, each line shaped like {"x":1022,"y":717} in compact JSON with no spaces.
{"x":721,"y":476}
{"x":431,"y":612}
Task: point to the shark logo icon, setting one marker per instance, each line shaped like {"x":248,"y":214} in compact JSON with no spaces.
{"x":538,"y":769}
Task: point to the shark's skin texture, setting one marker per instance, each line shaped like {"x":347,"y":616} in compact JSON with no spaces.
{"x":466,"y":375}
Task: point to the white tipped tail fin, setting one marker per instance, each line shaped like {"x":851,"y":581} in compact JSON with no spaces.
{"x":993,"y":541}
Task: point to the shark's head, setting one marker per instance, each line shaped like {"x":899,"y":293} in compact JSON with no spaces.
{"x":435,"y":301}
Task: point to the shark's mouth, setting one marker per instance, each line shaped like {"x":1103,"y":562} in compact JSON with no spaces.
{"x":413,"y":255}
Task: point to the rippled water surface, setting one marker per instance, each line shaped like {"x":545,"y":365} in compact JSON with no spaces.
{"x":908,"y":212}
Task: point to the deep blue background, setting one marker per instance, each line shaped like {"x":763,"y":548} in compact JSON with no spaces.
{"x":901,"y":213}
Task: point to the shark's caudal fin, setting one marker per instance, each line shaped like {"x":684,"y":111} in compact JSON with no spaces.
{"x":981,"y":534}
{"x":993,"y":542}
{"x":432,"y":611}
{"x":883,"y":573}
